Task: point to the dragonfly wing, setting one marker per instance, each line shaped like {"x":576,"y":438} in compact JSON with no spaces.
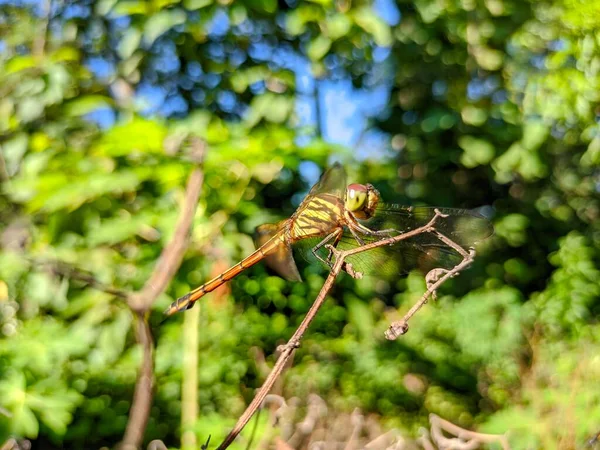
{"x":333,"y":181}
{"x":281,"y":260}
{"x":401,"y":257}
{"x":465,"y":227}
{"x":385,"y":261}
{"x":423,"y":252}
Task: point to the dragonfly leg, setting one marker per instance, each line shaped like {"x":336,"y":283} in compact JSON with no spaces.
{"x":339,"y":232}
{"x":388,"y":232}
{"x":356,"y":236}
{"x":336,"y":235}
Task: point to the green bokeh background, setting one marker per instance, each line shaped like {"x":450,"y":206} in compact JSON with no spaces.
{"x":491,"y":102}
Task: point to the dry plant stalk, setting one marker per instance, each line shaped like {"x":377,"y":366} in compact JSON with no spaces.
{"x":462,"y":440}
{"x":141,"y":301}
{"x":355,"y":431}
{"x":11,"y":444}
{"x":435,"y":279}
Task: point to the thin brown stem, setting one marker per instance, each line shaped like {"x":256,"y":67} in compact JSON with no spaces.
{"x":63,"y":269}
{"x":4,"y":176}
{"x":141,"y":301}
{"x":172,"y":255}
{"x":39,"y":41}
{"x":393,"y":332}
{"x":189,"y":385}
{"x":465,"y":439}
{"x":11,"y":444}
{"x":142,"y":395}
{"x":400,"y":327}
{"x":286,"y":353}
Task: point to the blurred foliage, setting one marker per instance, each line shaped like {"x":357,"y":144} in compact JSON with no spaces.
{"x":491,"y":102}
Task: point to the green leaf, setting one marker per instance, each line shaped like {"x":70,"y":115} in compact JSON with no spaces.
{"x":241,"y":79}
{"x":369,"y":21}
{"x":488,"y":58}
{"x":337,"y":26}
{"x":472,"y":115}
{"x":136,"y":136}
{"x":118,"y":229}
{"x":535,"y":134}
{"x":103,"y":7}
{"x":129,"y":43}
{"x":318,"y":47}
{"x":131,"y":7}
{"x":24,"y":423}
{"x":361,"y":317}
{"x":161,"y":22}
{"x":265,"y":6}
{"x":297,"y":19}
{"x":73,"y":194}
{"x":477,"y":151}
{"x":592,"y":156}
{"x":13,"y":151}
{"x":42,"y":288}
{"x":86,"y":104}
{"x":19,"y":63}
{"x":30,"y":109}
{"x":196,"y":4}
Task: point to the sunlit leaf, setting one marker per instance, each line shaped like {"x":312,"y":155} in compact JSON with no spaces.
{"x":86,"y":104}
{"x":161,"y":22}
{"x":129,"y":43}
{"x":370,"y":22}
{"x":196,"y":4}
{"x":129,"y":7}
{"x":318,"y":48}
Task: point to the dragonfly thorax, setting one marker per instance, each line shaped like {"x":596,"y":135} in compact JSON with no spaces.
{"x":361,"y":200}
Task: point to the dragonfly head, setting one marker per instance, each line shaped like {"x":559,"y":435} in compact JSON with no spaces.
{"x":361,"y":200}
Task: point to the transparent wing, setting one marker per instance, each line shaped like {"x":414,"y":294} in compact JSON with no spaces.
{"x":333,"y":181}
{"x":423,"y":252}
{"x":463,"y":226}
{"x":282,"y":259}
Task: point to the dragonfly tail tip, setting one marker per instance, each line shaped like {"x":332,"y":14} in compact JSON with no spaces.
{"x":181,"y":304}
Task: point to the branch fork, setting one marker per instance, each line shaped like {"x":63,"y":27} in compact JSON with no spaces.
{"x":434,"y":278}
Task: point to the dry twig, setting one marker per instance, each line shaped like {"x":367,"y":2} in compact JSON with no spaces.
{"x":73,"y":273}
{"x":395,"y":330}
{"x":141,"y":301}
{"x":11,"y":444}
{"x":465,"y":439}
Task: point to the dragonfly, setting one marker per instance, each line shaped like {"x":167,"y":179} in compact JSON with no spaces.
{"x":344,"y":216}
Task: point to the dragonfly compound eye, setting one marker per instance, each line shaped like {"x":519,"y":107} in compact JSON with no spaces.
{"x":356,"y":197}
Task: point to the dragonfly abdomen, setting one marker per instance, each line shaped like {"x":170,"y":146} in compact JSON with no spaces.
{"x":188,"y":300}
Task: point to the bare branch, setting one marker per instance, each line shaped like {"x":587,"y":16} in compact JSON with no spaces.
{"x":172,"y":255}
{"x":189,"y":385}
{"x":358,"y":421}
{"x":286,"y":353}
{"x":316,"y":409}
{"x":465,"y":439}
{"x":424,"y":440}
{"x":142,"y":395}
{"x":39,"y":42}
{"x":63,"y":269}
{"x":400,"y":327}
{"x":157,"y":445}
{"x":140,"y":302}
{"x":11,"y":444}
{"x":396,"y":329}
{"x":4,"y":175}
